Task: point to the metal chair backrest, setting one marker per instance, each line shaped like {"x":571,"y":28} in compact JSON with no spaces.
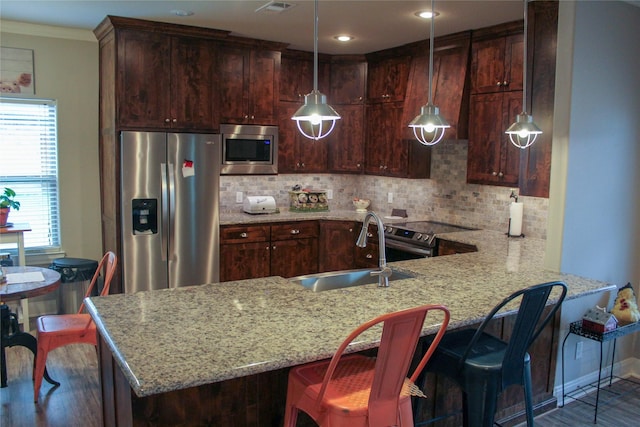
{"x":526,"y":329}
{"x":107,"y":266}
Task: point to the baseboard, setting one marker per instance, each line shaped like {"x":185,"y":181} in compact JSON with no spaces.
{"x":629,"y":367}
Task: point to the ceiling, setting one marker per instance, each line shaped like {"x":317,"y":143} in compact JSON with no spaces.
{"x":376,"y":25}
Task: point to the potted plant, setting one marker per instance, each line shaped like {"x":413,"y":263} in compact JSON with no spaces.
{"x":7,"y":201}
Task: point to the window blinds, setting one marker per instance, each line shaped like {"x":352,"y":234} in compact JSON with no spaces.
{"x":29,"y":166}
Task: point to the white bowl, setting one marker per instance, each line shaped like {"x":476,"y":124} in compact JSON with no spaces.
{"x":361,"y":204}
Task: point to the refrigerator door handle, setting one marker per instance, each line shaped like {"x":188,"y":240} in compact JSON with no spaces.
{"x":172,"y":207}
{"x":165,"y":209}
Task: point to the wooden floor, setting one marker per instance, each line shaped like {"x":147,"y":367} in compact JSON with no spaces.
{"x":77,"y":401}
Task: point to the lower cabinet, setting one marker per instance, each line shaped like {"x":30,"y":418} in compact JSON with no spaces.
{"x":337,"y":245}
{"x":282,"y":249}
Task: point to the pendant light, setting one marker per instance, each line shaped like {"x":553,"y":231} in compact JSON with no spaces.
{"x":524,"y":131}
{"x":315,"y":119}
{"x":429,"y":126}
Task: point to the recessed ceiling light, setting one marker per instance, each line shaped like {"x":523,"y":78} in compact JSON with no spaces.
{"x":425,"y":14}
{"x":181,"y":12}
{"x":344,"y":38}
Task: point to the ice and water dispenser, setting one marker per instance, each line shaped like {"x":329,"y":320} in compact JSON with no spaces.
{"x":145,"y":216}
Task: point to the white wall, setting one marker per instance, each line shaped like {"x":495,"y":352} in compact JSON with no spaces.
{"x":66,"y":69}
{"x":594,"y":227}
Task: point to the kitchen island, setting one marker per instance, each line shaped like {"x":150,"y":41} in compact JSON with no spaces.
{"x":218,"y":354}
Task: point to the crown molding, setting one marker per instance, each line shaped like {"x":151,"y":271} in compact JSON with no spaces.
{"x":50,"y":31}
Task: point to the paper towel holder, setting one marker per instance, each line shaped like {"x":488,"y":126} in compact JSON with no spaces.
{"x":513,"y":196}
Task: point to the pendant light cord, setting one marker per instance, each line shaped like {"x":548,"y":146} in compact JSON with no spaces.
{"x":315,"y":47}
{"x":431,"y":54}
{"x":524,"y":59}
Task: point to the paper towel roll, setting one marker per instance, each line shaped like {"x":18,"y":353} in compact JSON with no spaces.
{"x":515,"y":218}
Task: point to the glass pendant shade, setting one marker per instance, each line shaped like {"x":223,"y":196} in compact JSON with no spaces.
{"x":315,"y":119}
{"x":524,"y":131}
{"x":429,"y":126}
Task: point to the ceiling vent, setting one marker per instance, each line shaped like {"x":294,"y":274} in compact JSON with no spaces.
{"x":275,"y":7}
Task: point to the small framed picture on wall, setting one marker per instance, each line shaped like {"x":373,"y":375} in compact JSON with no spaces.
{"x":16,"y":71}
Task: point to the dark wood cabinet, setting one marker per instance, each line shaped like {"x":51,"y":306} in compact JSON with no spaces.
{"x":496,"y":64}
{"x":249,"y":85}
{"x":369,"y":256}
{"x":386,"y":153}
{"x":348,"y":81}
{"x":387,"y":78}
{"x":296,"y":76}
{"x":337,"y":245}
{"x":283,"y":249}
{"x":297,"y":153}
{"x":244,"y":252}
{"x":449,"y":86}
{"x":165,"y":82}
{"x":449,"y":247}
{"x":346,"y":143}
{"x":492,"y":158}
{"x":294,"y":248}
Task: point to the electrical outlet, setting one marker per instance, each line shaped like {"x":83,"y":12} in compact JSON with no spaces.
{"x":389,"y":197}
{"x":329,"y":194}
{"x":578,"y":350}
{"x":239,"y":196}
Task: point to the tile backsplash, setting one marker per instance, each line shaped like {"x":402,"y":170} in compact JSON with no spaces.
{"x":446,"y":196}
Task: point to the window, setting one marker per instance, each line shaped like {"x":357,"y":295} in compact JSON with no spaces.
{"x":29,"y":166}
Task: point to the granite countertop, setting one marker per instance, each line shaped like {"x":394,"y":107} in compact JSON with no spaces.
{"x":179,"y":338}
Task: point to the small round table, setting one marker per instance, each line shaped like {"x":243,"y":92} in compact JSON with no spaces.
{"x":28,"y":287}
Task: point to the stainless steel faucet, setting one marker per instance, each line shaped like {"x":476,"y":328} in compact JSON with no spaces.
{"x":384,"y":272}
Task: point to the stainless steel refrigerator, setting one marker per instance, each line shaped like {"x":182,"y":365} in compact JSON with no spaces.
{"x":169,"y":208}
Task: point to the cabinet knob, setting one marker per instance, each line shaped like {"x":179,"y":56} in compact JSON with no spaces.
{"x":253,"y":117}
{"x":273,"y":247}
{"x":369,"y":256}
{"x":302,"y":164}
{"x":369,"y":234}
{"x":499,"y":84}
{"x":167,"y":120}
{"x":246,"y":116}
{"x":500,"y":174}
{"x":244,"y":235}
{"x":494,"y":173}
{"x":351,"y":230}
{"x":295,"y":231}
{"x":381,"y":167}
{"x":505,"y":83}
{"x":175,"y":120}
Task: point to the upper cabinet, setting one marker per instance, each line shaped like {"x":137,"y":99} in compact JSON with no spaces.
{"x":164,"y":81}
{"x":346,"y":143}
{"x":387,"y":78}
{"x":296,"y":75}
{"x":496,"y":64}
{"x":249,"y":85}
{"x":449,"y":85}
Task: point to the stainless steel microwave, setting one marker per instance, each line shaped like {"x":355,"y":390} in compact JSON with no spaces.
{"x":249,"y":149}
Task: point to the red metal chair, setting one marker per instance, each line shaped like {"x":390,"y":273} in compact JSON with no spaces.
{"x":361,"y":391}
{"x":59,"y":330}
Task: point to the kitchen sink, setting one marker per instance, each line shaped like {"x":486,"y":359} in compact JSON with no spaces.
{"x":343,"y":279}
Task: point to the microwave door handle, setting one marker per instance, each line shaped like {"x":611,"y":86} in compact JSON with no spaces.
{"x":165,"y":209}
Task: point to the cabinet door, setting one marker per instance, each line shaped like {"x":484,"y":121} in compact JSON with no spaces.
{"x":492,"y":159}
{"x":385,"y":152}
{"x":348,"y":82}
{"x":193,"y":88}
{"x":346,"y":144}
{"x":294,"y":257}
{"x":387,"y":79}
{"x":496,"y":64}
{"x":264,"y":83}
{"x":249,"y":85}
{"x":296,"y":153}
{"x":296,"y":78}
{"x":337,"y":245}
{"x":143,"y":95}
{"x":244,"y":261}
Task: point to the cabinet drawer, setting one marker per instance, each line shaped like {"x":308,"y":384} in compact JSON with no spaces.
{"x":244,"y":234}
{"x":295,"y":230}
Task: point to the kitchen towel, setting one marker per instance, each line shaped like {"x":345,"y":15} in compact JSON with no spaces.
{"x":515,"y":218}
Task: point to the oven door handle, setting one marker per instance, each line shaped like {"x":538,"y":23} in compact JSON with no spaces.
{"x":426,"y":252}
